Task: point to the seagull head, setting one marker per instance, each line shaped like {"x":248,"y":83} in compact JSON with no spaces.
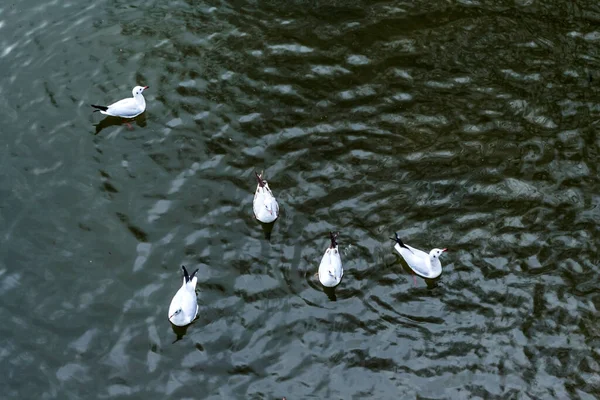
{"x":436,"y":253}
{"x":177,"y":312}
{"x":139,"y":89}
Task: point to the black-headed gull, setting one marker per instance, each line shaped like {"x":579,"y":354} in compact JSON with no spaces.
{"x":330,"y":269}
{"x":265,"y":206}
{"x":423,"y":264}
{"x":184,"y":306}
{"x":126,"y":108}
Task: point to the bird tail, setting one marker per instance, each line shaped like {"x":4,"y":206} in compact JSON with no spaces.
{"x":193,"y":274}
{"x":187,"y":276}
{"x":259,"y":178}
{"x":399,"y":241}
{"x":333,"y":237}
{"x":99,"y":108}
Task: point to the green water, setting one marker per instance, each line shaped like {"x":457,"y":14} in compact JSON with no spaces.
{"x":471,"y":125}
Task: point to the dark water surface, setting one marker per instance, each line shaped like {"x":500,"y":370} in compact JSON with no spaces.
{"x":471,"y":125}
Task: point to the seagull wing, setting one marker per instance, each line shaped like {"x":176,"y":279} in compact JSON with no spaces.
{"x":124,"y":108}
{"x":416,"y":259}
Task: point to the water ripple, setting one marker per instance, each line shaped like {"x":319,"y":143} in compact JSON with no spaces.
{"x":468,"y":125}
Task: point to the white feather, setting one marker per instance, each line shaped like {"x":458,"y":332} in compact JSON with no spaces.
{"x":423,"y":264}
{"x":330,"y":269}
{"x":184,"y":305}
{"x":265,"y":206}
{"x":130,"y":107}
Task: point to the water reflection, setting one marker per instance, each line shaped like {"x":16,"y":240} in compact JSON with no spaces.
{"x":431,"y":283}
{"x":117,"y":121}
{"x":267,"y":229}
{"x":330,"y":292}
{"x":180,"y":331}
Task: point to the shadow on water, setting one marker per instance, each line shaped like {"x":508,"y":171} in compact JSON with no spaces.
{"x":267,"y":229}
{"x":179,"y":331}
{"x":116,"y":121}
{"x":431,"y":283}
{"x":330,"y":292}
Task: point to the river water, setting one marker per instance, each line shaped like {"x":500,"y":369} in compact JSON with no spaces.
{"x":471,"y":125}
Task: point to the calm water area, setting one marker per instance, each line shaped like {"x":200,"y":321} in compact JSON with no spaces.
{"x":470,"y":125}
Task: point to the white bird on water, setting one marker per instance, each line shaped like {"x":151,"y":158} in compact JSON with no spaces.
{"x":126,"y":108}
{"x":423,"y":264}
{"x":330,"y":269}
{"x":265,"y":206}
{"x":184,"y":306}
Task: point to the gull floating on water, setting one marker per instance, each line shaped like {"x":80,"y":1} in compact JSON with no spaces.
{"x":265,"y":206}
{"x":330,"y":269}
{"x":126,"y":108}
{"x":184,"y":306}
{"x":423,"y":264}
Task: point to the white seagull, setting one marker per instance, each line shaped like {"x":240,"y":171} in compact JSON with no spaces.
{"x":126,"y":108}
{"x":184,"y":306}
{"x":265,"y":206}
{"x":423,"y":264}
{"x":330,"y":269}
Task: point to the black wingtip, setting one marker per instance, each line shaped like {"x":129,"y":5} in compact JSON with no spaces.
{"x":399,"y":241}
{"x":185,"y":274}
{"x":261,"y":182}
{"x":194,"y":274}
{"x":103,"y":108}
{"x":333,"y":237}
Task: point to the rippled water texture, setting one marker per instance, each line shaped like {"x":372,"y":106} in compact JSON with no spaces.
{"x":471,"y":125}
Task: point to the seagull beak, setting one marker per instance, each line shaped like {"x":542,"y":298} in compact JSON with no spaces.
{"x":444,"y":249}
{"x":146,"y":87}
{"x":171,"y":316}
